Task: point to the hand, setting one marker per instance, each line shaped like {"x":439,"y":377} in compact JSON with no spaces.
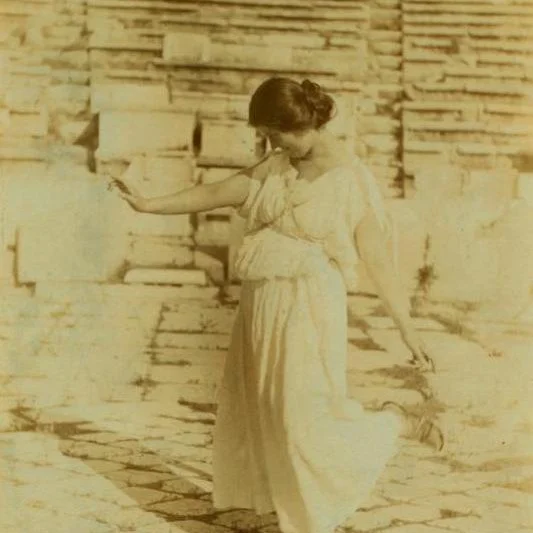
{"x":420,"y":358}
{"x":133,"y":198}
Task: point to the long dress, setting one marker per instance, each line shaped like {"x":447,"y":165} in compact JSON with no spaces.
{"x":287,"y":437}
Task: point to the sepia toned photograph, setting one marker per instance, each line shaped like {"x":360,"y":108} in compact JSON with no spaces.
{"x":266,"y":266}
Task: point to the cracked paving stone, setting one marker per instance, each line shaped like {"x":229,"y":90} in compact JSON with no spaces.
{"x":183,"y":508}
{"x":505,"y":496}
{"x":457,"y":503}
{"x":242,"y":519}
{"x":91,"y":451}
{"x":419,"y":528}
{"x":100,"y":438}
{"x":146,"y":461}
{"x":193,"y":439}
{"x":411,"y":513}
{"x":182,"y":486}
{"x":367,"y":521}
{"x":406,"y":492}
{"x":144,"y":496}
{"x":101,"y":466}
{"x":140,"y":477}
{"x":469,"y":524}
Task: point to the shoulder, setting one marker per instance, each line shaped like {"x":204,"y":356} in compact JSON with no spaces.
{"x":261,"y":170}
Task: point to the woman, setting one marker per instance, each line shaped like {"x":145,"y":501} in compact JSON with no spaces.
{"x":287,"y":438}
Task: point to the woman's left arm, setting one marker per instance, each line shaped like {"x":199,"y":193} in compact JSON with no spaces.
{"x":371,"y":242}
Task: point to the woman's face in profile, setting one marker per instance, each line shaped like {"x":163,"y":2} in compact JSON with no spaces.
{"x":295,"y":143}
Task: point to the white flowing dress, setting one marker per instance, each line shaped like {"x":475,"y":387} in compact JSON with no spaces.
{"x":287,"y":438}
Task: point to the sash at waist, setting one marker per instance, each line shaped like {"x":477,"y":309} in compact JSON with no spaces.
{"x":269,"y":254}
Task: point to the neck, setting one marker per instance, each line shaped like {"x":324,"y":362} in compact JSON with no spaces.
{"x":322,"y":147}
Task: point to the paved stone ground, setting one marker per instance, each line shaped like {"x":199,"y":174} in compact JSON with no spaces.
{"x":107,"y":414}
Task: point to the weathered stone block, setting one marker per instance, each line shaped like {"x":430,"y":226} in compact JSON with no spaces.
{"x":28,"y":124}
{"x":271,"y":57}
{"x":4,"y":120}
{"x":128,"y":96}
{"x":159,"y":252}
{"x":525,"y":187}
{"x":343,"y":123}
{"x":228,"y":142}
{"x":24,"y":98}
{"x":381,"y":143}
{"x":69,"y":130}
{"x":187,"y":47}
{"x":225,"y":107}
{"x":213,"y":233}
{"x":128,"y":133}
{"x":161,"y":276}
{"x":71,"y":99}
{"x":7,"y":267}
{"x":161,"y":225}
{"x":4,"y":74}
{"x":166,"y":175}
{"x":214,"y":267}
{"x":348,"y":64}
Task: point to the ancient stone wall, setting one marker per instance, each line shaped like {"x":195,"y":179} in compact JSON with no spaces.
{"x":434,"y":95}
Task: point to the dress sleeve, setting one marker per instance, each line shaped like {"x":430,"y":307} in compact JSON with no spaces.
{"x":255,"y":186}
{"x":257,"y":178}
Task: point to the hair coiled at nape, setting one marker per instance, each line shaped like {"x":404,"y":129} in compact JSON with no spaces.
{"x":321,"y":103}
{"x":286,"y":105}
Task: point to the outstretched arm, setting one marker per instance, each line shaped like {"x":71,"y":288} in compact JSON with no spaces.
{"x":231,"y":191}
{"x":371,"y":242}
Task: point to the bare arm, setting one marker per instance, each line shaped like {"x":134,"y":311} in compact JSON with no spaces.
{"x":231,"y":191}
{"x":371,"y":243}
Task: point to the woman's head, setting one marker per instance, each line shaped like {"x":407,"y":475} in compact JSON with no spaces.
{"x":288,"y":112}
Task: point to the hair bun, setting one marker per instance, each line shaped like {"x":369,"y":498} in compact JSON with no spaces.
{"x":318,"y":101}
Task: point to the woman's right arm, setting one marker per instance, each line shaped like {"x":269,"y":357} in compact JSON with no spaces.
{"x":231,"y":191}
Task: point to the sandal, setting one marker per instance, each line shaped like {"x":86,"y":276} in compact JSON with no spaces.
{"x":427,"y":360}
{"x":422,"y":428}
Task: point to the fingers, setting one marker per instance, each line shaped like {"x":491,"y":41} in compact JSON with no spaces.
{"x":424,"y":364}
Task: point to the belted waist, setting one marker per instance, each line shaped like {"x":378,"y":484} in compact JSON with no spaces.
{"x":269,"y":254}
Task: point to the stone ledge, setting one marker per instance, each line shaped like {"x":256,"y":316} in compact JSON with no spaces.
{"x":473,"y":148}
{"x":162,"y":276}
{"x":436,"y":105}
{"x":467,"y":126}
{"x":444,"y":19}
{"x":122,"y":133}
{"x":161,"y":63}
{"x":73,"y":292}
{"x":97,"y":42}
{"x":459,"y":6}
{"x":427,"y":29}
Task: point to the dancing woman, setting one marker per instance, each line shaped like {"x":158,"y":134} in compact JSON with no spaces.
{"x":287,"y":438}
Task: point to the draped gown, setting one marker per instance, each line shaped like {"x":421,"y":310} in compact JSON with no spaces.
{"x":287,"y":437}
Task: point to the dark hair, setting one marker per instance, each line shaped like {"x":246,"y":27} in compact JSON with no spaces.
{"x":287,"y":105}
